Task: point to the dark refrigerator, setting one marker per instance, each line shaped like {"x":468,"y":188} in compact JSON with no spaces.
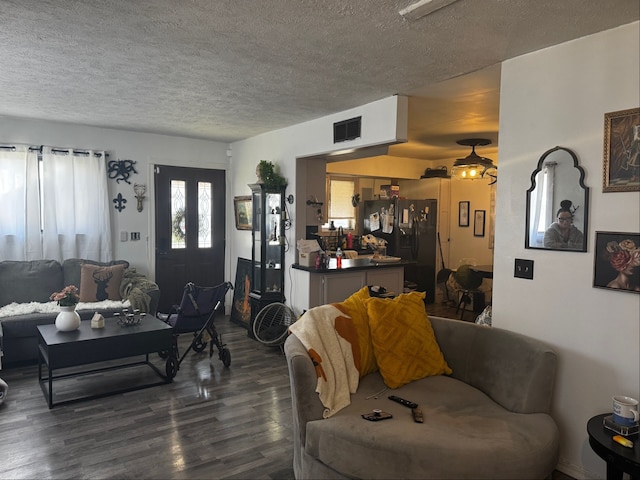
{"x":410,"y":231}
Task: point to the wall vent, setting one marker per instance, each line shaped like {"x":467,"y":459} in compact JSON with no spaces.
{"x":347,"y":129}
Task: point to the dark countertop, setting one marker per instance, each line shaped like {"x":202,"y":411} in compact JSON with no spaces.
{"x":351,"y":265}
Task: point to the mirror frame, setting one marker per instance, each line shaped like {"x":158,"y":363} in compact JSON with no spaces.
{"x":577,"y":166}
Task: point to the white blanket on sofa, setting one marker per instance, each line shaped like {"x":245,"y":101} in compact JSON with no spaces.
{"x":52,"y":307}
{"x":328,"y":334}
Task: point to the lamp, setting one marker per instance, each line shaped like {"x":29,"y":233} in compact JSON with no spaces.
{"x":474,"y":166}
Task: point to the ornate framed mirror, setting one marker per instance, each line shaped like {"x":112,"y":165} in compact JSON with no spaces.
{"x":557,"y":203}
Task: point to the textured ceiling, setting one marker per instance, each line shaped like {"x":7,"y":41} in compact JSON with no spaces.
{"x":230,"y":69}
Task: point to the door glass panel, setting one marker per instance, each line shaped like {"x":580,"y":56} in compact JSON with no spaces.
{"x":178,"y":214}
{"x":204,"y":215}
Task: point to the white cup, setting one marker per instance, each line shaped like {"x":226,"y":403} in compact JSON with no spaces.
{"x":625,"y":410}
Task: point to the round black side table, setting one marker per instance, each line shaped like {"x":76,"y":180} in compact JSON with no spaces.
{"x":619,"y":459}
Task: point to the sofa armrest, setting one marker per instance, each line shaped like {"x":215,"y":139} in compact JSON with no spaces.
{"x":304,"y":379}
{"x":142,"y":292}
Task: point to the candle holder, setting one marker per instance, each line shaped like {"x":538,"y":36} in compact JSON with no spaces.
{"x":128,"y":318}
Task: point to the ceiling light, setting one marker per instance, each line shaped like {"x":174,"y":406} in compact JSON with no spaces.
{"x":474,"y":166}
{"x":423,"y":8}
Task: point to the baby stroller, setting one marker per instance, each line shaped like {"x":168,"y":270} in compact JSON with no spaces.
{"x":195,"y":314}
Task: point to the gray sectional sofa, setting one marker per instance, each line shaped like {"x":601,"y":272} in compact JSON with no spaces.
{"x":488,"y":419}
{"x":34,"y":281}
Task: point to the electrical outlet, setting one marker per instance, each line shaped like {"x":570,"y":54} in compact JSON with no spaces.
{"x":523,"y":268}
{"x":135,"y":236}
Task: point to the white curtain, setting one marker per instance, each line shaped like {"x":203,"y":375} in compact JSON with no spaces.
{"x":20,"y":213}
{"x":75,"y":206}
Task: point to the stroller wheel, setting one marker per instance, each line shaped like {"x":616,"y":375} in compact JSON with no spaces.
{"x":163,"y":354}
{"x":171,"y":368}
{"x":225,"y":356}
{"x":199,"y":344}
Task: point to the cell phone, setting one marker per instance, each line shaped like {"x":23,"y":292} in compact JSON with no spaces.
{"x":376,"y":416}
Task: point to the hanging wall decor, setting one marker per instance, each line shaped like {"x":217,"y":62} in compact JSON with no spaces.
{"x":621,"y":166}
{"x":463,"y":214}
{"x":478,"y":223}
{"x":121,"y":170}
{"x":139,"y":189}
{"x":119,"y":202}
{"x":617,"y":261}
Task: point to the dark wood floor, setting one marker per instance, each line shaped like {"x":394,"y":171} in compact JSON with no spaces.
{"x":211,"y":422}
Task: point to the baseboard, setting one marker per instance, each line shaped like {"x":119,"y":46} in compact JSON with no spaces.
{"x":575,"y":471}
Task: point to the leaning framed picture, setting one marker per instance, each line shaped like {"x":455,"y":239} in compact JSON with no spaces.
{"x":243,"y":209}
{"x":241,"y":306}
{"x":617,"y":261}
{"x":478,"y":223}
{"x":463,"y":214}
{"x":621,"y":166}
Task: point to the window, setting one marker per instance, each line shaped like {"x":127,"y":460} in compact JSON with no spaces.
{"x":340,"y":191}
{"x":60,"y":205}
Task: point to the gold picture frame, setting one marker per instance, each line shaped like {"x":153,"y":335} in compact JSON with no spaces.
{"x":243,"y":209}
{"x":621,"y":166}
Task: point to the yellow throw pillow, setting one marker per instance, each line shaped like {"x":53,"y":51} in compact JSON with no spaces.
{"x":403,"y":340}
{"x":99,"y":283}
{"x":355,"y":308}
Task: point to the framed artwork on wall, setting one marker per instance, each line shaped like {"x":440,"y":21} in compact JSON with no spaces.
{"x":243,"y":209}
{"x":478,"y":223}
{"x":463,"y":214}
{"x":621,"y":167}
{"x":617,"y":261}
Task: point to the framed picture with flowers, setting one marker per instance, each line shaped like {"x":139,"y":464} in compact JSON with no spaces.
{"x":617,"y":261}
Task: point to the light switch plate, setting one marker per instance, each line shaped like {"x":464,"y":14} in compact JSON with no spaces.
{"x":124,"y":236}
{"x":523,"y":268}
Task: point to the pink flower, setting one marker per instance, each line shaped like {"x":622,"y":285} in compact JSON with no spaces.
{"x":68,"y":297}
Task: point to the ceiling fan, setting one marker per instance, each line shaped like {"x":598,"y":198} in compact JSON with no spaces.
{"x":474,"y":166}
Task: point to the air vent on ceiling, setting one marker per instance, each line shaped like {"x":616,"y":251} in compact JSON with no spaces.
{"x":347,"y":129}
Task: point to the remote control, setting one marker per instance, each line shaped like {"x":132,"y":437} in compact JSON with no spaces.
{"x":417,"y":415}
{"x":404,"y":402}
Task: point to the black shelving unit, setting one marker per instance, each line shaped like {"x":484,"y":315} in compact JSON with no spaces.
{"x":267,"y":252}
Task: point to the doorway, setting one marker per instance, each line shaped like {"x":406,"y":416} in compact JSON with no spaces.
{"x":190,"y":230}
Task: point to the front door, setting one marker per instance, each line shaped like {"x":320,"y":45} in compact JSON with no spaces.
{"x":190,"y":230}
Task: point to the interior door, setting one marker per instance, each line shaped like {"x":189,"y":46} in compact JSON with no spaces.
{"x":190,"y":230}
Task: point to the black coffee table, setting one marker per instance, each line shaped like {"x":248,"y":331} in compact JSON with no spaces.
{"x":85,"y":346}
{"x":619,"y":459}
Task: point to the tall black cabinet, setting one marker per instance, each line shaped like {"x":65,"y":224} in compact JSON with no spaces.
{"x":267,"y":252}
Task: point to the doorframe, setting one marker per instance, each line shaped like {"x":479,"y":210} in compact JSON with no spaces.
{"x":229,"y":221}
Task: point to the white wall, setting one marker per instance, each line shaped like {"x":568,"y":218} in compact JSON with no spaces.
{"x":143,"y":148}
{"x":558,"y":96}
{"x":383,"y":121}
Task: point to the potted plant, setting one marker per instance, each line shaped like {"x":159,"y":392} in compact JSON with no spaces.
{"x":68,"y":319}
{"x":267,"y":175}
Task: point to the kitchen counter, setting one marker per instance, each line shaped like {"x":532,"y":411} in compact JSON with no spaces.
{"x":331,"y":285}
{"x":350,"y":265}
